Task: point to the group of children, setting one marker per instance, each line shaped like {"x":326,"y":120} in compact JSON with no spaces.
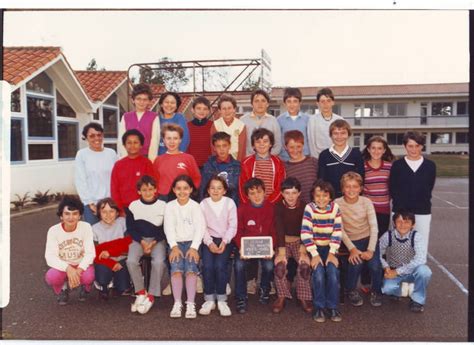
{"x":311,"y":206}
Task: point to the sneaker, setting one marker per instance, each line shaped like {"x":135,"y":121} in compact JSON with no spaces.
{"x":355,"y":298}
{"x":176,"y":311}
{"x":264,"y":296}
{"x":144,"y":307}
{"x":63,"y":297}
{"x":272,"y":289}
{"x":83,"y":294}
{"x":335,"y":315}
{"x":416,"y":307}
{"x":319,"y":316}
{"x":138,"y":301}
{"x":241,"y":306}
{"x":190,"y":310}
{"x":199,"y":288}
{"x":375,"y":299}
{"x":167,"y":290}
{"x":224,"y":309}
{"x":252,"y":286}
{"x":207,"y":307}
{"x":228,"y":290}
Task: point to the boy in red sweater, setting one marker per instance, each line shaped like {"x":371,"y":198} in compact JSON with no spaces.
{"x":200,"y":131}
{"x":255,"y":218}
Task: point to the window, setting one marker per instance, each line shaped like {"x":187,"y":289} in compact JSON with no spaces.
{"x":372,"y":109}
{"x":40,"y":117}
{"x":397,"y":109}
{"x":308,"y":109}
{"x":336,"y":109}
{"x":367,"y":136}
{"x":112,"y":100}
{"x":16,"y":101}
{"x":16,"y":141}
{"x":395,"y":138}
{"x":462,"y":138}
{"x":110,"y":117}
{"x":40,"y":151}
{"x":67,"y":140}
{"x":95,"y":116}
{"x":63,"y":108}
{"x":274,"y":111}
{"x":111,"y":146}
{"x":424,"y":109}
{"x":441,"y":138}
{"x":463,"y":108}
{"x":442,"y":108}
{"x":41,"y":84}
{"x":357,"y":140}
{"x":121,"y":111}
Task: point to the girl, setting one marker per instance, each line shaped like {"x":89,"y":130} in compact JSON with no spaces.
{"x":184,"y":227}
{"x":220,"y":214}
{"x":111,"y":245}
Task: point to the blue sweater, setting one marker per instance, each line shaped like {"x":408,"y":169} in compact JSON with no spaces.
{"x":180,"y":120}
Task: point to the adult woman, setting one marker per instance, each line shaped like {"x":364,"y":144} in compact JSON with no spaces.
{"x":93,"y":168}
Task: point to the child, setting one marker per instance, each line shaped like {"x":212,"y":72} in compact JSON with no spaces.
{"x":263,"y":165}
{"x":300,"y":166}
{"x":340,"y":157}
{"x":259,"y":118}
{"x":128,"y":170}
{"x":319,"y":138}
{"x":293,"y":119}
{"x":288,"y":215}
{"x":146,"y":121}
{"x":255,"y":218}
{"x":401,"y":254}
{"x":70,"y":252}
{"x":222,"y":164}
{"x":200,"y":131}
{"x":169,"y":104}
{"x":111,"y":249}
{"x":145,"y":226}
{"x":184,"y":228}
{"x":174,"y":162}
{"x":220,"y":214}
{"x":360,"y":238}
{"x":231,"y":125}
{"x":321,"y":233}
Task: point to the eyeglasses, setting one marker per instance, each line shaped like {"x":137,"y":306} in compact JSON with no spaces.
{"x":94,"y":135}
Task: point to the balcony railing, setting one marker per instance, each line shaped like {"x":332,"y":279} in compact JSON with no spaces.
{"x":408,"y":121}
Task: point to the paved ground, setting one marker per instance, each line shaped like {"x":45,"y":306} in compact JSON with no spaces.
{"x":34,"y":314}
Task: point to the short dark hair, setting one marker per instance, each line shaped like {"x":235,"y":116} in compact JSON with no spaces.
{"x":292,"y":92}
{"x":219,"y":178}
{"x":323,"y":186}
{"x":72,"y":202}
{"x":295,"y":135}
{"x":97,"y":126}
{"x":253,"y":183}
{"x":405,"y":214}
{"x":142,"y":89}
{"x":413,"y":135}
{"x":226,"y":98}
{"x":189,"y":181}
{"x":259,"y":92}
{"x":220,"y":136}
{"x":166,"y":94}
{"x":290,"y":183}
{"x":324,"y":92}
{"x":259,"y":133}
{"x":104,"y":202}
{"x":145,"y":179}
{"x":131,"y":132}
{"x":201,"y":100}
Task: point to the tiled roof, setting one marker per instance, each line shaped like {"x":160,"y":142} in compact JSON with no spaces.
{"x":157,"y":90}
{"x":21,"y":62}
{"x":185,"y":102}
{"x":99,"y":84}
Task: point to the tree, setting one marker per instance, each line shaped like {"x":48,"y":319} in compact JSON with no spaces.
{"x":251,"y":84}
{"x":93,"y":66}
{"x":171,"y":75}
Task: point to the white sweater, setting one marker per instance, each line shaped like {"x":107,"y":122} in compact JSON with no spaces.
{"x":318,"y":133}
{"x":70,"y":248}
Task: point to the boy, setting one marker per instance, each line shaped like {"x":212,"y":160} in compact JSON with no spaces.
{"x":360,"y":237}
{"x":70,"y":252}
{"x":318,"y":124}
{"x":301,"y":166}
{"x":146,"y":121}
{"x":288,"y":215}
{"x":200,"y":131}
{"x":401,"y":254}
{"x":222,"y":164}
{"x":145,"y":226}
{"x":340,"y":157}
{"x":263,"y":165}
{"x":321,"y":233}
{"x":255,"y":218}
{"x":128,"y":170}
{"x":293,"y":119}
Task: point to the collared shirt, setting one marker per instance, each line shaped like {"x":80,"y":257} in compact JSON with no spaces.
{"x":267,"y":121}
{"x":332,"y":150}
{"x":289,"y":123}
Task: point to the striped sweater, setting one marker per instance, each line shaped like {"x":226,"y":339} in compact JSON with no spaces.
{"x":376,"y":186}
{"x":321,"y":228}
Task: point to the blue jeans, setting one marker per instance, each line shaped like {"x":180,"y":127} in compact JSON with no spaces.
{"x":214,"y":272}
{"x":241,"y":280}
{"x":375,"y":268}
{"x":88,"y":216}
{"x":325,"y":283}
{"x":421,"y":277}
{"x":121,"y":278}
{"x":184,"y":265}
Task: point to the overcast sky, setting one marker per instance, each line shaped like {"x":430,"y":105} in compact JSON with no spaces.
{"x":307,"y":48}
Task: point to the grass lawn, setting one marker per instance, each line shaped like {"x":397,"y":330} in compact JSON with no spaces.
{"x":451,"y":165}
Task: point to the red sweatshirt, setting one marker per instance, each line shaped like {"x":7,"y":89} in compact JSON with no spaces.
{"x":115,"y":248}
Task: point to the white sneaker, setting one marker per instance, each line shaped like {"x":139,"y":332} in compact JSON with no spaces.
{"x":272,"y":289}
{"x":199,"y":288}
{"x":224,"y":309}
{"x":228,"y":290}
{"x":145,"y":306}
{"x":252,"y":287}
{"x":207,"y":307}
{"x":138,"y":301}
{"x":176,"y":311}
{"x":167,"y":290}
{"x":190,"y":310}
